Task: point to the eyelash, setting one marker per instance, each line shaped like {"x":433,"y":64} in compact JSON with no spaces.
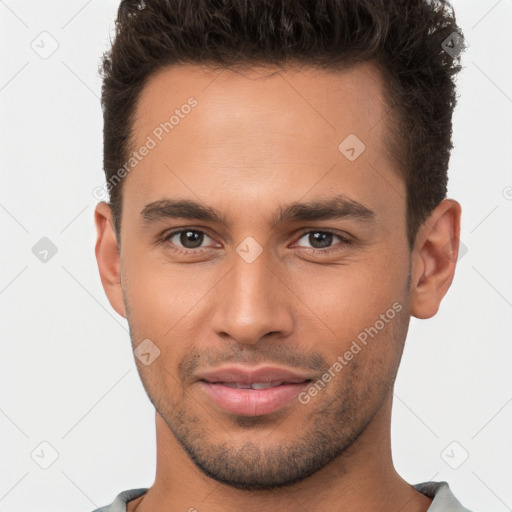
{"x":344,"y":240}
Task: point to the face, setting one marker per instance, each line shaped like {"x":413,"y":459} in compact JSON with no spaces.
{"x":254,"y":237}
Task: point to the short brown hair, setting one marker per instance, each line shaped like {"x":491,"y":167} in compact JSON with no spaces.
{"x":415,"y":43}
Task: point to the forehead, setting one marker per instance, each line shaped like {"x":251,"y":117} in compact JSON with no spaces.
{"x":263,"y":128}
{"x":266,"y":100}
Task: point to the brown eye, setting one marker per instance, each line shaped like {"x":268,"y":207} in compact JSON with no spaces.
{"x":187,"y":238}
{"x":321,"y":239}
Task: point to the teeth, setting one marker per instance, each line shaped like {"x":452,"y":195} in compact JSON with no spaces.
{"x":254,"y":385}
{"x":265,"y":385}
{"x":235,"y":385}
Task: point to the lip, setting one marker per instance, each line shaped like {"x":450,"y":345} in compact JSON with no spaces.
{"x":247,"y":375}
{"x":252,"y":402}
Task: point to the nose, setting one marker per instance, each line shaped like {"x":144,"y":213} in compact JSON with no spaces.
{"x":253,"y":302}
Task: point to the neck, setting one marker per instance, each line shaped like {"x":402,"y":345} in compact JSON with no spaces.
{"x":363,"y":478}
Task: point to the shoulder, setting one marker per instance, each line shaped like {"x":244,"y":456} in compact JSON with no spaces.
{"x":119,"y":504}
{"x":444,"y":500}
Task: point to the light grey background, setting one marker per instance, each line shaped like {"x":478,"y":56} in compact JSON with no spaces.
{"x":68,"y":377}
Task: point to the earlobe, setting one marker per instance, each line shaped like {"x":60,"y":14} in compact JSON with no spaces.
{"x":435,"y":258}
{"x":108,"y":257}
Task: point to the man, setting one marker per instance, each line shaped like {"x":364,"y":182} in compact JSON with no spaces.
{"x":278,"y":211}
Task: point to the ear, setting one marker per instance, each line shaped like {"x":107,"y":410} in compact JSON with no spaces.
{"x":108,"y":257}
{"x":434,"y":258}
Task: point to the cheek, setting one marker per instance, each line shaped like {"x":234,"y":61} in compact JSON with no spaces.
{"x":159,"y":293}
{"x":163,"y":304}
{"x":352,"y":295}
{"x":362,"y":310}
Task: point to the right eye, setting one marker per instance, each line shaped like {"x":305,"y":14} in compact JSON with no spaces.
{"x":189,"y":239}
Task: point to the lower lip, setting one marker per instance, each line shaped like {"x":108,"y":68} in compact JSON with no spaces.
{"x":252,"y":402}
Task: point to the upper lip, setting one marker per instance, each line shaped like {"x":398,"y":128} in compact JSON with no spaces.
{"x":246,"y":375}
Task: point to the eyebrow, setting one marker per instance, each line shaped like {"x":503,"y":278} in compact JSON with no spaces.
{"x":337,"y":207}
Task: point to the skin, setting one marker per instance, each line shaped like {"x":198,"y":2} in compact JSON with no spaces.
{"x":259,"y":140}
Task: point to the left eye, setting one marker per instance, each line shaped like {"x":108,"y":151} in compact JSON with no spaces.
{"x":188,"y":238}
{"x":321,"y":239}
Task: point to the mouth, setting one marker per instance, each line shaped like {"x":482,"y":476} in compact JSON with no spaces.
{"x":254,"y":385}
{"x":248,"y":392}
{"x":254,"y":399}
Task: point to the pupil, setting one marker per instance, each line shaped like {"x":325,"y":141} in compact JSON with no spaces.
{"x":191,"y":237}
{"x":324,"y":239}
